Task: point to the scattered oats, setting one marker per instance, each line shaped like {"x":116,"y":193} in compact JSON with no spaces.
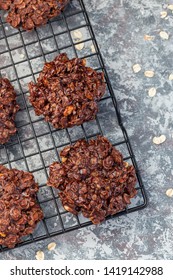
{"x":148,"y":37}
{"x":164,"y":35}
{"x":93,"y":49}
{"x":126,"y":164}
{"x":169,"y":192}
{"x":152,"y":92}
{"x":51,"y":246}
{"x":149,"y":74}
{"x":159,"y":140}
{"x":77,"y":34}
{"x":80,"y":46}
{"x":171,"y":77}
{"x":163,"y":14}
{"x":170,"y":7}
{"x":136,"y":68}
{"x":22,"y":55}
{"x":39,"y":255}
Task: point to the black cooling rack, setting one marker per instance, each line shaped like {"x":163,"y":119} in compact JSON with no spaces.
{"x":37,"y":144}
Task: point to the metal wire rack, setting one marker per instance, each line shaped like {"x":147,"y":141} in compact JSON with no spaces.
{"x":37,"y":144}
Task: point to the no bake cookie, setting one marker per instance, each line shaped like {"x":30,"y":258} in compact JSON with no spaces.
{"x":32,"y":13}
{"x":19,"y":211}
{"x":66,"y":92}
{"x":93,"y":179}
{"x":8,"y":110}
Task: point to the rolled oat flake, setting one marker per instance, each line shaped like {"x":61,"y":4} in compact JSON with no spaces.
{"x":169,"y":192}
{"x":136,"y":68}
{"x":159,"y":140}
{"x":78,"y":34}
{"x":152,"y":92}
{"x":39,"y":255}
{"x":80,"y":46}
{"x":164,"y":35}
{"x":51,"y":246}
{"x":170,"y":7}
{"x":93,"y":49}
{"x":171,"y":77}
{"x":163,"y":14}
{"x":149,"y":73}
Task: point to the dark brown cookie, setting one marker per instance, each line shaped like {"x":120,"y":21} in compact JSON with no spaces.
{"x":19,"y":211}
{"x":32,"y":13}
{"x":8,"y":110}
{"x":67,"y":91}
{"x":93,"y":179}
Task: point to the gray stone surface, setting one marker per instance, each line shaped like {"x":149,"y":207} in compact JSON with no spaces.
{"x":120,"y":26}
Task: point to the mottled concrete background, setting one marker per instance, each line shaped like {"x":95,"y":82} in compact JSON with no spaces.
{"x":120,"y":26}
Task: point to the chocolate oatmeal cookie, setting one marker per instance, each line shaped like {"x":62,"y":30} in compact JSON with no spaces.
{"x":93,"y":179}
{"x":66,"y":92}
{"x":8,"y":110}
{"x":32,"y":13}
{"x":19,"y":211}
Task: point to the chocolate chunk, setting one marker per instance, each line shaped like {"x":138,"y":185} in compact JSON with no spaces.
{"x":66,"y":92}
{"x":93,"y":179}
{"x":19,"y":211}
{"x":8,"y":110}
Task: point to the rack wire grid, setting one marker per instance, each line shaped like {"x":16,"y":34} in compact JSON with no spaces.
{"x":37,"y":144}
